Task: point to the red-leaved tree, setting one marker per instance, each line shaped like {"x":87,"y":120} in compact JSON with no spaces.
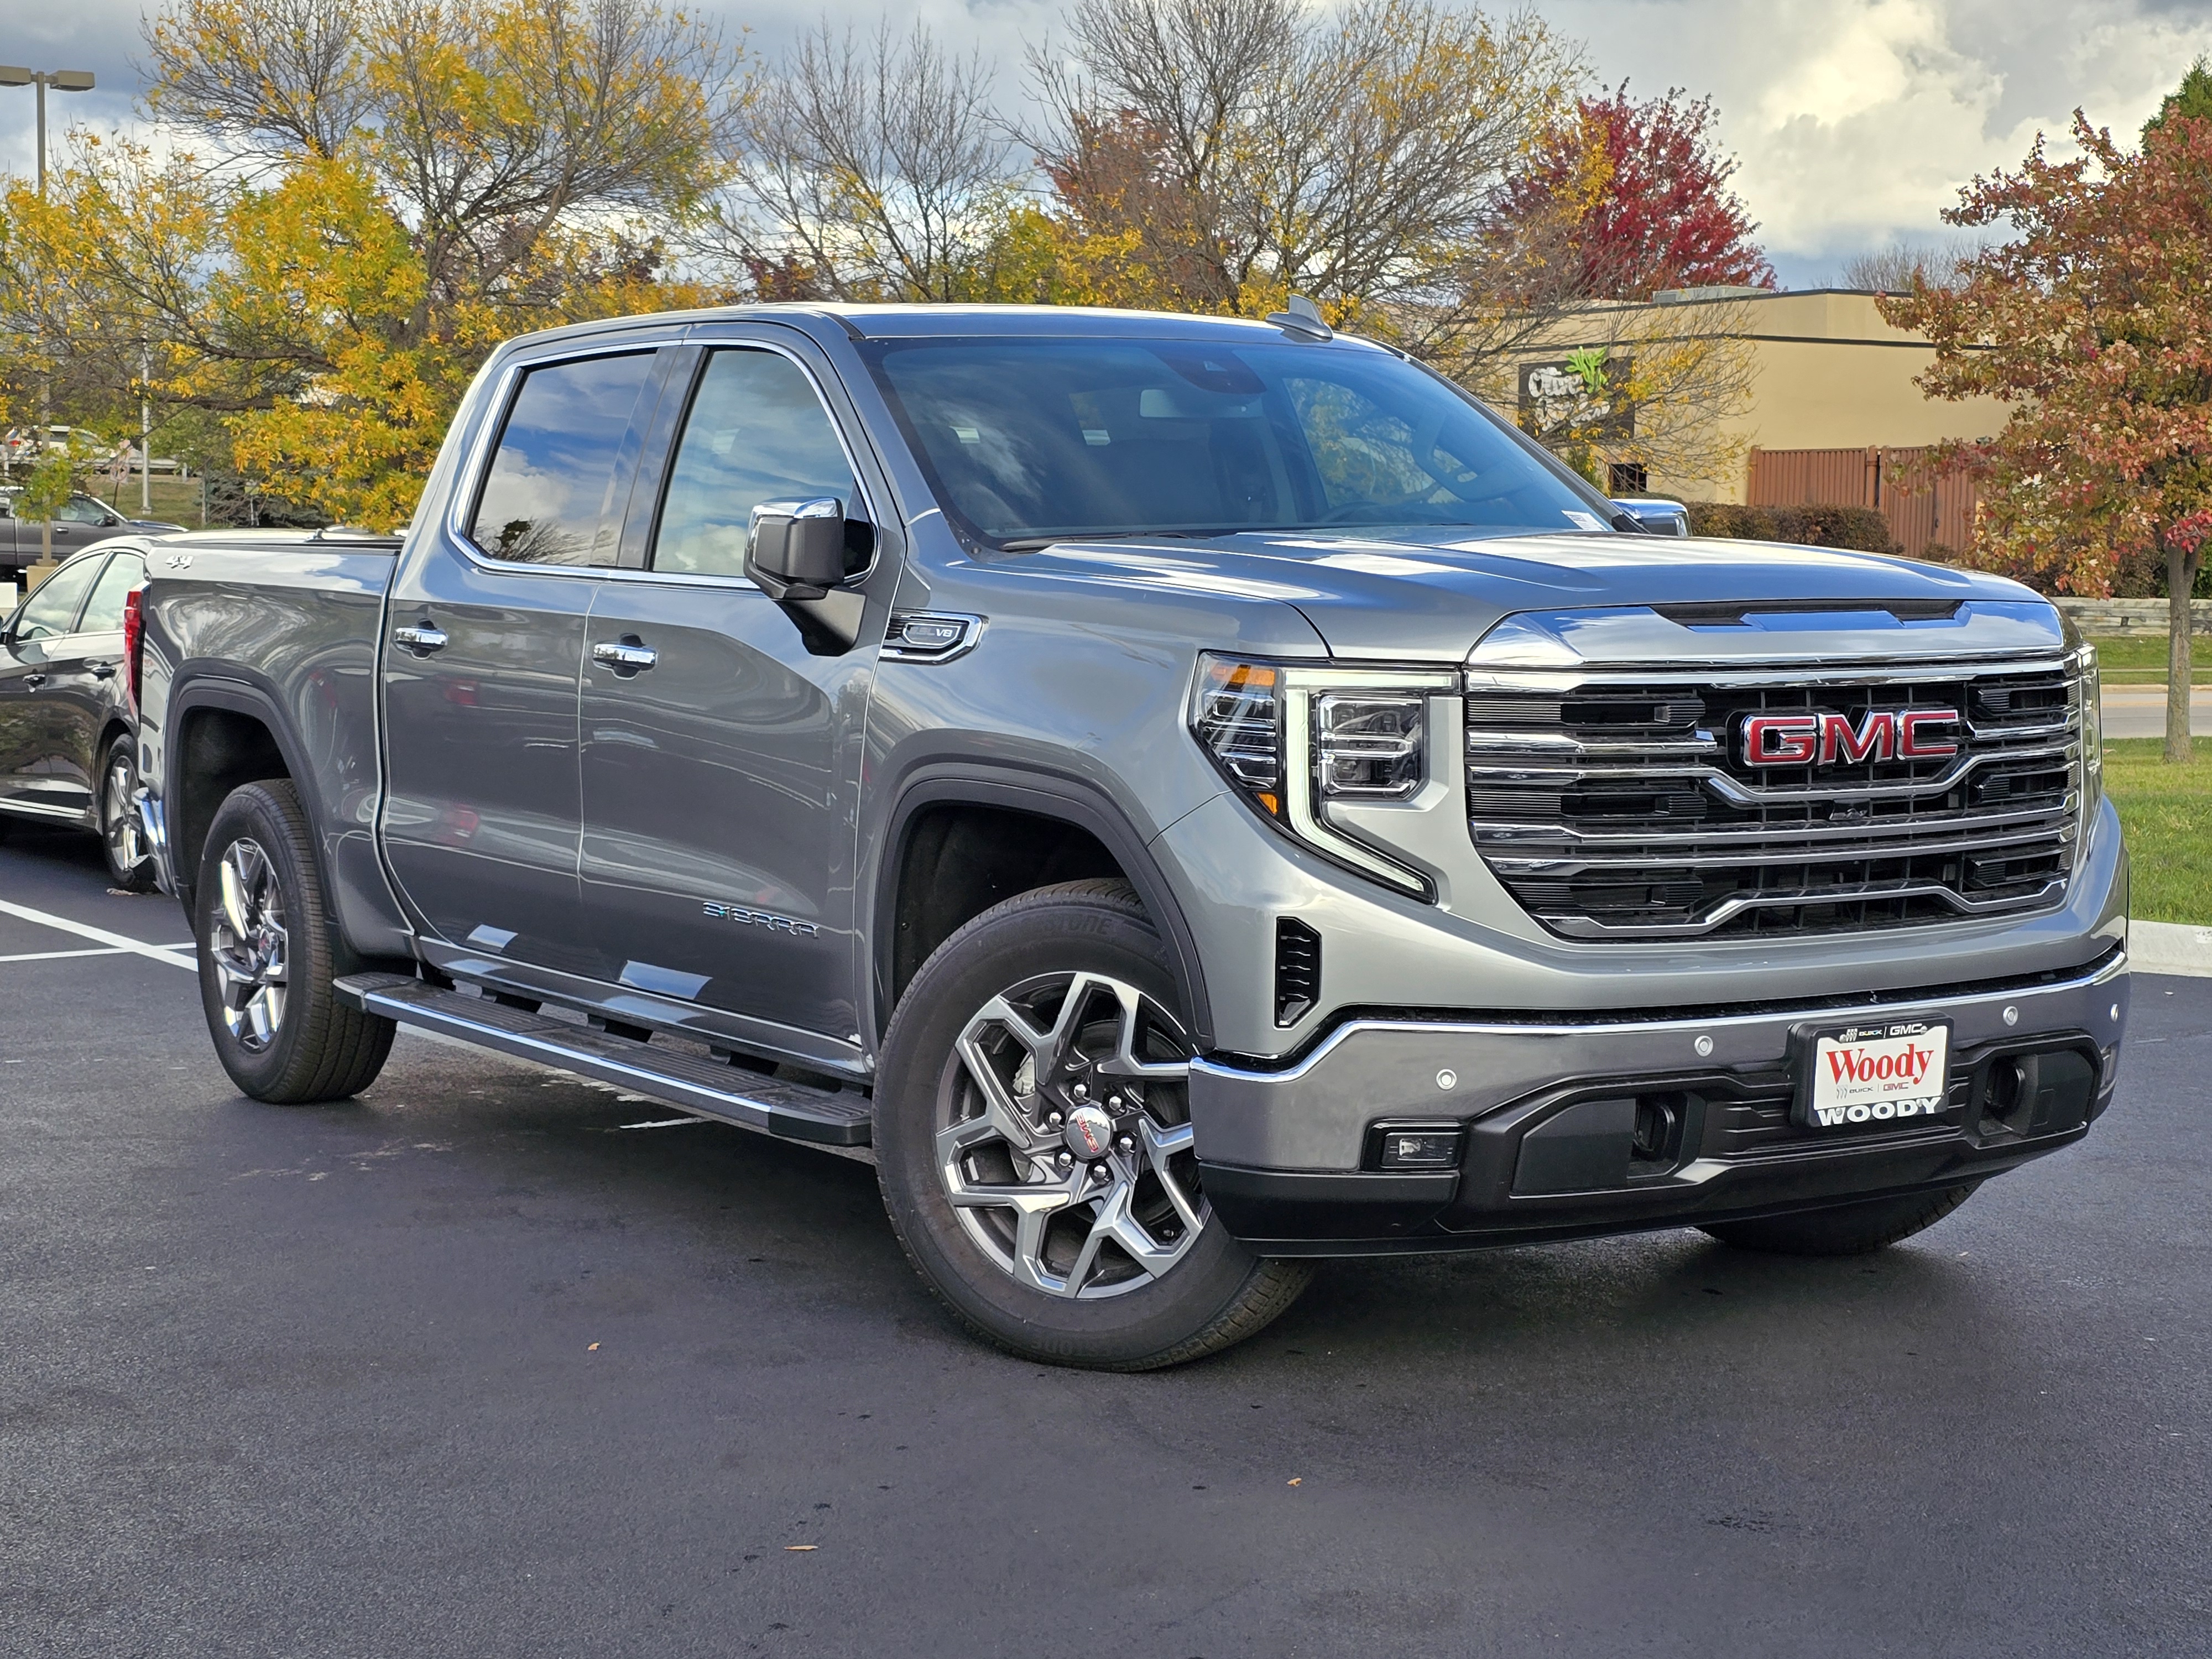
{"x":1639,"y":191}
{"x":2095,"y":322}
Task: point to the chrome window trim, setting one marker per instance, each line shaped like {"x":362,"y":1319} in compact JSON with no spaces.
{"x":484,"y":449}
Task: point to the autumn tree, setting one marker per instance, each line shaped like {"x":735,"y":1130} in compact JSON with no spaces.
{"x":1640,"y":189}
{"x":2094,"y":321}
{"x":378,"y":192}
{"x":1250,"y":149}
{"x":873,"y":169}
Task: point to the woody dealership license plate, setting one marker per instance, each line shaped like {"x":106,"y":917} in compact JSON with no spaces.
{"x":1874,"y":1073}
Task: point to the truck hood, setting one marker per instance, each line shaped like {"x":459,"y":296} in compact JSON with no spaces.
{"x":1431,"y":596}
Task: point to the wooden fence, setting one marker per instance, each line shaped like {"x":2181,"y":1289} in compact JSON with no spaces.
{"x":1922,"y":506}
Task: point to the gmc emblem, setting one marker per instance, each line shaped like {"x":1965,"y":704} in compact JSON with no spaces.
{"x":1820,"y":738}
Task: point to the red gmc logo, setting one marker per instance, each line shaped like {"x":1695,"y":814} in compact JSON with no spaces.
{"x":1820,"y":738}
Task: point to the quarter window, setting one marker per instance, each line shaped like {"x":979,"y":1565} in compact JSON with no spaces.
{"x":550,"y":496}
{"x":756,"y":433}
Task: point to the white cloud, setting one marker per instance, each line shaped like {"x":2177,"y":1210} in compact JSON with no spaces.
{"x":1855,"y":120}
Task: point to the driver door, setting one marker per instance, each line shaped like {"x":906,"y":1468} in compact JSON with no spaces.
{"x":720,"y":742}
{"x":33,"y":653}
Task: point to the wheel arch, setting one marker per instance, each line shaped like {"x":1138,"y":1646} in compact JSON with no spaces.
{"x":1076,"y":829}
{"x":226,"y":733}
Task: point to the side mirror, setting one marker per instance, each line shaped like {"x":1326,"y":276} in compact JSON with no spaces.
{"x":1657,"y":516}
{"x":796,"y":549}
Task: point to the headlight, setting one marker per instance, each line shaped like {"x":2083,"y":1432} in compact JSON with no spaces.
{"x":1293,"y":740}
{"x":2093,"y":730}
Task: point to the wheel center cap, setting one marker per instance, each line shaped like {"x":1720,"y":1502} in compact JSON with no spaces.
{"x":1090,"y":1132}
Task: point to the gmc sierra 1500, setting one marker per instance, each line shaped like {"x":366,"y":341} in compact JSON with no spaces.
{"x":1182,"y":795}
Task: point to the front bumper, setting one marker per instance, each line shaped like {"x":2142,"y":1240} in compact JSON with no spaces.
{"x":1547,"y":1115}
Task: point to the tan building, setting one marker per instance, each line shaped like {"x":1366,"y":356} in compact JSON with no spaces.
{"x":1825,"y":374}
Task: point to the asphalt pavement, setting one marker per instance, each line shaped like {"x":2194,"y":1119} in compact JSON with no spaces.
{"x":485,"y":1364}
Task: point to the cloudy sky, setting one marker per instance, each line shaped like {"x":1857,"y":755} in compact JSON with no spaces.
{"x":1855,"y":120}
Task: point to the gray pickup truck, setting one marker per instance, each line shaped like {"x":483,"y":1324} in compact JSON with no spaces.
{"x":1181,"y":796}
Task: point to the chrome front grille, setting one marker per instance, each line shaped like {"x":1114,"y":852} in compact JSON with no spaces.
{"x":1619,"y":805}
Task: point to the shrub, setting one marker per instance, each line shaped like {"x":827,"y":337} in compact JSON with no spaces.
{"x":1728,"y":519}
{"x":1817,"y":525}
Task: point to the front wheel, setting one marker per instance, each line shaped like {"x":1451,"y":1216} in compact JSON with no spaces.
{"x":1033,"y":1138}
{"x":122,"y":836}
{"x":265,"y":957}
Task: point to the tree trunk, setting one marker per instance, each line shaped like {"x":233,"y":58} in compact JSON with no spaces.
{"x":2180,"y":581}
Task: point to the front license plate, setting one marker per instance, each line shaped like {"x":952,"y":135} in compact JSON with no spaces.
{"x":1877,"y":1073}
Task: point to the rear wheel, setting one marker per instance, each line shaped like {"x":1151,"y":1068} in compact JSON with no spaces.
{"x":1034,"y":1141}
{"x":1846,"y":1229}
{"x":122,"y":836}
{"x":265,"y":959}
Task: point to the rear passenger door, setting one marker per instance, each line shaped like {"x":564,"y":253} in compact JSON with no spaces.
{"x":482,"y":811}
{"x":720,"y":782}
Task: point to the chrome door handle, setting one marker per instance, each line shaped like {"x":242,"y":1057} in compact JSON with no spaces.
{"x":103,"y":670}
{"x":420,"y":641}
{"x":626,"y":658}
{"x":34,"y":681}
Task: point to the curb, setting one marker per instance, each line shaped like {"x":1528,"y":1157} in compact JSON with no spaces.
{"x":2163,"y":947}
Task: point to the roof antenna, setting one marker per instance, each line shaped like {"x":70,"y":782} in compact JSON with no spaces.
{"x":1302,"y":319}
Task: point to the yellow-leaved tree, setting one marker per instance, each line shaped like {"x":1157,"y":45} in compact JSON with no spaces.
{"x":375,"y":194}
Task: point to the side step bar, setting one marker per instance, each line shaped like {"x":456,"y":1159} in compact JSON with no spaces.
{"x":827,"y":1116}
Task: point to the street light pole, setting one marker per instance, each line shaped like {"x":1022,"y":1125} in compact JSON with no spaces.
{"x":13,"y":74}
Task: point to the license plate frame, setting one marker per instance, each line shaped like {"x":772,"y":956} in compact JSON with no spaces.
{"x":1849,"y":1102}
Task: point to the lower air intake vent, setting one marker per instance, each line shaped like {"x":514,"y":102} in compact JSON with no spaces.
{"x":1297,"y":971}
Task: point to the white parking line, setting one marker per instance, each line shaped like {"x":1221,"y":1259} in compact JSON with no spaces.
{"x":176,"y":956}
{"x":93,"y":951}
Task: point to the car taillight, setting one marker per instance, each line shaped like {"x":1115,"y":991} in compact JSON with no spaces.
{"x":134,"y":637}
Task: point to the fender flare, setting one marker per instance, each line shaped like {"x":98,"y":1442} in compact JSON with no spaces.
{"x":1041,"y":794}
{"x":192,"y":692}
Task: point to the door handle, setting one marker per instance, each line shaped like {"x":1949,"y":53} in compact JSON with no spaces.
{"x":34,"y":681}
{"x":103,"y":670}
{"x":420,"y":641}
{"x":627,"y":656}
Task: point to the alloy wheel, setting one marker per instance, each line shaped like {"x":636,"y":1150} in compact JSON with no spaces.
{"x":249,"y":945}
{"x":118,"y":813}
{"x":1064,"y":1139}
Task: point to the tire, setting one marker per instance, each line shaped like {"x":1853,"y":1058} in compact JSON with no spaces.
{"x":121,"y":840}
{"x":1113,"y":1275}
{"x":1845,"y":1229}
{"x":265,"y":957}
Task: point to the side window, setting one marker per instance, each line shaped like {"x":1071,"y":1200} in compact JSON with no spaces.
{"x":103,"y":611}
{"x":83,"y":510}
{"x":547,"y":498}
{"x":52,"y":609}
{"x":756,"y":433}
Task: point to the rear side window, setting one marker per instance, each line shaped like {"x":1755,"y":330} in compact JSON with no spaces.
{"x":756,"y":433}
{"x":103,"y":611}
{"x":549,"y":497}
{"x":52,"y":609}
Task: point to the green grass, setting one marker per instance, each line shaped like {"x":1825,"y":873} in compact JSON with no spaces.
{"x":2166,"y":812}
{"x":2141,"y":660}
{"x":177,"y":500}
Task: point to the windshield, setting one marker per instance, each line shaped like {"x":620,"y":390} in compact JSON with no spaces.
{"x":1027,"y":441}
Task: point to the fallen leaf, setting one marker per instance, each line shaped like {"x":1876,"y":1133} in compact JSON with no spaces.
{"x":1296,"y":1479}
{"x":594,"y":1348}
{"x":801,"y":1549}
